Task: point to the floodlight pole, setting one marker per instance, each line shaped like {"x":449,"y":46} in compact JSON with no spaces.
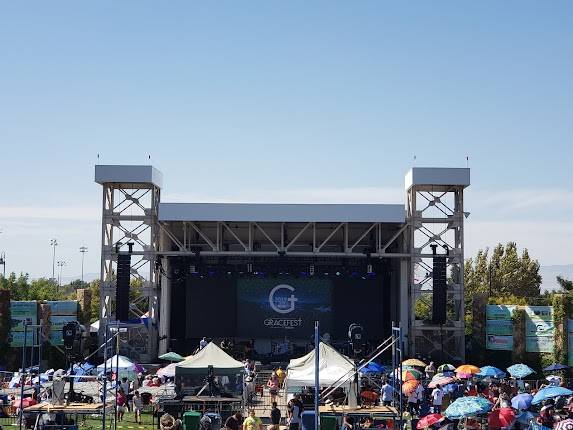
{"x":104,"y":376}
{"x":316,"y":374}
{"x":83,"y":250}
{"x":22,"y":379}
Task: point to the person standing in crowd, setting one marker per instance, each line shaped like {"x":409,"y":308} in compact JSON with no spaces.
{"x":275,"y":417}
{"x":294,"y":410}
{"x":125,"y":387}
{"x":234,"y":421}
{"x":120,"y":401}
{"x":137,"y":406}
{"x":386,"y":393}
{"x":273,"y":386}
{"x":430,"y":370}
{"x":413,"y":402}
{"x":437,"y":396}
{"x":420,"y":395}
{"x":203,"y":343}
{"x":252,"y":422}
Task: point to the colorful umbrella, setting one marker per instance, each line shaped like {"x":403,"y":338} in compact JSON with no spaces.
{"x":521,"y":401}
{"x":549,"y":393}
{"x":499,"y":418}
{"x":429,"y":420}
{"x":413,"y":362}
{"x":468,"y":369}
{"x":520,"y":370}
{"x":26,"y":402}
{"x":564,"y":425}
{"x":469,"y":406}
{"x":444,"y":380}
{"x":555,"y":367}
{"x":446,"y":368}
{"x":410,"y":386}
{"x":461,"y":375}
{"x":171,"y":356}
{"x":492,"y":372}
{"x":408,"y":374}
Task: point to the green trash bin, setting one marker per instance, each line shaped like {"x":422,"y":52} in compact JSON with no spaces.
{"x":328,"y":422}
{"x":191,"y":420}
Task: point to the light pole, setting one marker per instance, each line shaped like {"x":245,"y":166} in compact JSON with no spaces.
{"x":54,"y":243}
{"x":83,"y":250}
{"x":61,"y":264}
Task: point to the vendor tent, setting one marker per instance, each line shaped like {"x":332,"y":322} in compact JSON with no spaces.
{"x":333,"y":368}
{"x":167,"y":371}
{"x":211,"y":355}
{"x":123,"y":365}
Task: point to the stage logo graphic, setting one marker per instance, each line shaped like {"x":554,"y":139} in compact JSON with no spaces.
{"x":281,"y":303}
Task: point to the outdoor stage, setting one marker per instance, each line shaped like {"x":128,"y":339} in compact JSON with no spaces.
{"x":265,"y":272}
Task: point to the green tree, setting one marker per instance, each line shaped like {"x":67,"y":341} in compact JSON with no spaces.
{"x":566,"y":284}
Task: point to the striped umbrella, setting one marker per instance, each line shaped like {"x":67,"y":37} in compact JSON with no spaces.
{"x":468,"y":369}
{"x":446,"y":368}
{"x":413,"y":362}
{"x":408,"y":374}
{"x":444,"y":380}
{"x":410,"y":386}
{"x":564,"y":425}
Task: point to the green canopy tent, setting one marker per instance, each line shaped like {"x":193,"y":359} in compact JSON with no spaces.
{"x":190,"y":375}
{"x":171,"y":356}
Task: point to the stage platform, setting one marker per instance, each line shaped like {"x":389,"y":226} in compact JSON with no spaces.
{"x":72,"y":408}
{"x":382,"y":411}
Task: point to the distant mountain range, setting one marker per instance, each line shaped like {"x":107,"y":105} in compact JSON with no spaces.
{"x":549,"y":273}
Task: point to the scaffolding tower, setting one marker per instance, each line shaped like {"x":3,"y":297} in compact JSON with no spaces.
{"x":435,"y":212}
{"x":129,"y":218}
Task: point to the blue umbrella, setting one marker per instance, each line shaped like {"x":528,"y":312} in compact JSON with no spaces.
{"x":373,"y":368}
{"x":520,"y":370}
{"x":467,"y":407}
{"x":555,"y":367}
{"x":525,"y":417}
{"x":492,"y":372}
{"x":550,"y":392}
{"x":521,"y":401}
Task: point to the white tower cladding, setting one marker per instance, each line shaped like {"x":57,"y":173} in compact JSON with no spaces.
{"x":129,"y":219}
{"x":435,"y":213}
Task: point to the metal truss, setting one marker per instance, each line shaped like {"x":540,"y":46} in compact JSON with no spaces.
{"x":271,"y":239}
{"x":436,"y":216}
{"x":130,"y":216}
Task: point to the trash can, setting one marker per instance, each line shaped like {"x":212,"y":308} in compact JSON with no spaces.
{"x":215,"y":420}
{"x":191,"y":420}
{"x":327,"y":422}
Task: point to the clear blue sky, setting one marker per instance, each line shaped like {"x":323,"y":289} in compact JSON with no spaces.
{"x":242,"y":99}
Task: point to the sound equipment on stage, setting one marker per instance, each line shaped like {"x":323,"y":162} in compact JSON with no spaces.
{"x":356,"y":338}
{"x":440,"y":287}
{"x":122,"y":287}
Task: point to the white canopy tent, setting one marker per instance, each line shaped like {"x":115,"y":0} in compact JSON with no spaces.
{"x":211,"y":355}
{"x":124,"y":366}
{"x":333,"y":368}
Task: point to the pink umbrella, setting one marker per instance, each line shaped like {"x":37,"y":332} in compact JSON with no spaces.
{"x":442,"y":381}
{"x":463,"y":375}
{"x":26,"y":402}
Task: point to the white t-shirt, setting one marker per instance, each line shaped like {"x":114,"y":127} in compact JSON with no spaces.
{"x":437,"y":396}
{"x":413,"y":397}
{"x":420,"y":392}
{"x":387,"y":391}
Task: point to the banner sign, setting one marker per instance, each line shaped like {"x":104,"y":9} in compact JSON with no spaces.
{"x":16,"y":338}
{"x":59,"y":321}
{"x":539,"y":343}
{"x":544,"y":313}
{"x":499,"y":312}
{"x":499,"y":327}
{"x":57,"y":337}
{"x":283,"y":307}
{"x":21,"y":313}
{"x":64,"y":307}
{"x":499,"y":343}
{"x":539,"y":328}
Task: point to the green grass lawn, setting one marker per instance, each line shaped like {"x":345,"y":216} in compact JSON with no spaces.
{"x":128,"y":422}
